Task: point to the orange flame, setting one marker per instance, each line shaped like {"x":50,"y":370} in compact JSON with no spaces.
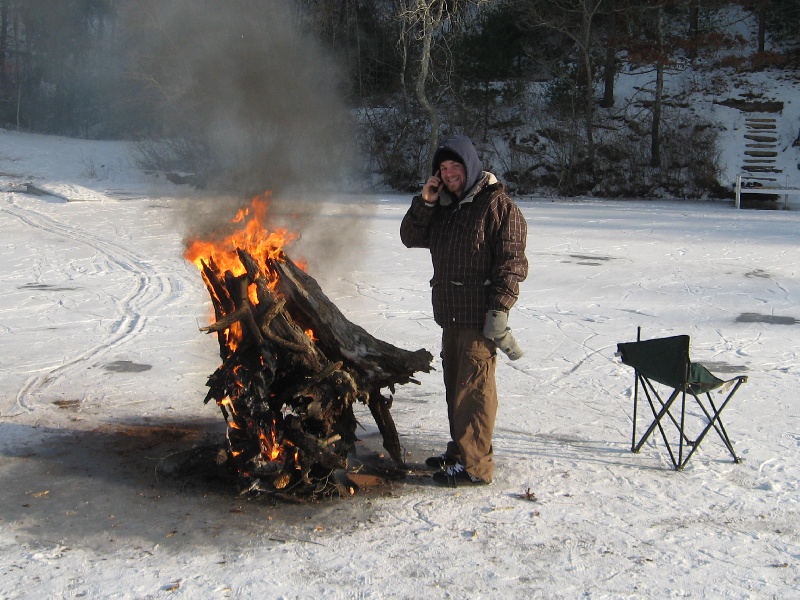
{"x":227,"y":402}
{"x":270,"y":448}
{"x":253,"y":237}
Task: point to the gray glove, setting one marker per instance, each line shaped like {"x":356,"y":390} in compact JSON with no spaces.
{"x":496,"y":329}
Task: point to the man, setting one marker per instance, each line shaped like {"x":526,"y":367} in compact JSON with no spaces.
{"x":476,"y":236}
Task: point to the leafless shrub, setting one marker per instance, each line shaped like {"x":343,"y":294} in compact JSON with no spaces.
{"x":689,"y":165}
{"x":395,"y":143}
{"x":168,"y":155}
{"x":91,"y":170}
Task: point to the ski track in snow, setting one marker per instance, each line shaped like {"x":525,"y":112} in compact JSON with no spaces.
{"x":148,"y":291}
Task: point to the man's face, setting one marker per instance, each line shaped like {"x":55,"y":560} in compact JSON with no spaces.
{"x":453,"y":175}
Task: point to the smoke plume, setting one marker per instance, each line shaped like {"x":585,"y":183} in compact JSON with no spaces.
{"x":259,"y":99}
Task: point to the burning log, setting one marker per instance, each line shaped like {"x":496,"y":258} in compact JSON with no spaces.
{"x":292,"y":368}
{"x":375,"y":363}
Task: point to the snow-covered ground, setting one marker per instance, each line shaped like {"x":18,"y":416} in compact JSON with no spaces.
{"x":103,"y":369}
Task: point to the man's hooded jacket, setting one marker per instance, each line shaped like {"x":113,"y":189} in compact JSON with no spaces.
{"x":477,"y":242}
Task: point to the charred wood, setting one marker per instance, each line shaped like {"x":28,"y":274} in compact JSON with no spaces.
{"x":292,"y":368}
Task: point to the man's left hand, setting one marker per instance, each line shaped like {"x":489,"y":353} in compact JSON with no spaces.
{"x":496,"y":329}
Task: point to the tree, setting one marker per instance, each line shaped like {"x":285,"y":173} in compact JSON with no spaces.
{"x":489,"y":61}
{"x":658,"y":95}
{"x":362,"y":33}
{"x":55,"y":63}
{"x":422,"y":21}
{"x":3,"y":45}
{"x":779,"y":18}
{"x":610,"y":65}
{"x":429,"y":26}
{"x":576,"y":20}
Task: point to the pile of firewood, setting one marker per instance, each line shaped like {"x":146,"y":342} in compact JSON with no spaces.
{"x":292,"y":368}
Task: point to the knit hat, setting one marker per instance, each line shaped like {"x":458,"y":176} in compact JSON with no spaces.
{"x":444,"y":155}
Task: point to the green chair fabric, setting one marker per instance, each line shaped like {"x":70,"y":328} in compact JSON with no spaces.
{"x":663,"y":360}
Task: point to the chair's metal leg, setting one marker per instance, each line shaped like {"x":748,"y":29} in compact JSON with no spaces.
{"x":635,"y":407}
{"x":635,"y":397}
{"x":657,"y":416}
{"x":720,"y":428}
{"x":675,"y":422}
{"x":682,"y":436}
{"x":703,"y":433}
{"x":664,"y":434}
{"x":715,"y":421}
{"x":654,"y":424}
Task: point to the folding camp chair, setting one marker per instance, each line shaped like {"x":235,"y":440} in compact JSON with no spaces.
{"x":666,"y":361}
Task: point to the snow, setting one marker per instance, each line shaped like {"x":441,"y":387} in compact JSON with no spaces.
{"x":103,"y":370}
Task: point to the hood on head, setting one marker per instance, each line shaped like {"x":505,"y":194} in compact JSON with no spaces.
{"x":461,"y":146}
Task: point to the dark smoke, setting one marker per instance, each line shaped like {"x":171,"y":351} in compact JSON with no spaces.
{"x":261,"y":103}
{"x":260,"y":100}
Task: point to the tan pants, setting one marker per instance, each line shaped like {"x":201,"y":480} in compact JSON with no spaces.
{"x":468,"y":361}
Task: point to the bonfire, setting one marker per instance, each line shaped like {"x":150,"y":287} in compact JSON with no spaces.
{"x":292,"y":365}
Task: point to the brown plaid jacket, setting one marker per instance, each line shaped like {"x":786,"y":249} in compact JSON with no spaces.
{"x":478,"y":253}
